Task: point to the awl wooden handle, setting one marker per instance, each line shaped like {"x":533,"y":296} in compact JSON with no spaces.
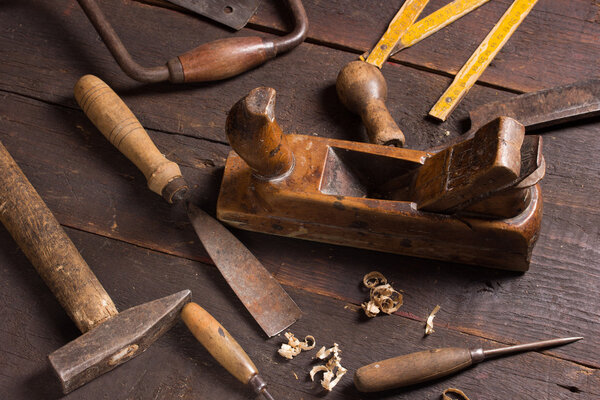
{"x":218,"y":342}
{"x":362,"y":89}
{"x":411,"y":369}
{"x":46,"y":245}
{"x":118,"y":124}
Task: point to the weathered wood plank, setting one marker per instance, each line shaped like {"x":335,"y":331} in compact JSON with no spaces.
{"x":37,"y":35}
{"x":564,"y":34}
{"x":552,"y":30}
{"x":176,"y":366}
{"x":62,"y":153}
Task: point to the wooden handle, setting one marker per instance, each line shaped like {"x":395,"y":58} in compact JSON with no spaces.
{"x":118,"y":124}
{"x":256,"y":136}
{"x":221,"y":59}
{"x":218,"y":342}
{"x":411,"y":369}
{"x":46,"y":245}
{"x":362,"y":89}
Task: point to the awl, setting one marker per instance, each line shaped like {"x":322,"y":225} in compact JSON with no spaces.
{"x":427,"y":365}
{"x":260,"y":293}
{"x":109,"y":338}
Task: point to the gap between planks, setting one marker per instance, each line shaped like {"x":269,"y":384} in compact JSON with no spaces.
{"x":208,"y":261}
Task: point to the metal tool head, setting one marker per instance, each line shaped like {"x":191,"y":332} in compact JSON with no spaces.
{"x":115,"y":341}
{"x":233,"y":13}
{"x":545,"y":107}
{"x":260,"y":293}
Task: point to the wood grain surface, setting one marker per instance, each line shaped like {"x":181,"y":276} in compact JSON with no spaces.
{"x":141,"y":248}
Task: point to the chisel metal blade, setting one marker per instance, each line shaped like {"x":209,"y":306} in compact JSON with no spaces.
{"x":233,"y":13}
{"x":260,"y":293}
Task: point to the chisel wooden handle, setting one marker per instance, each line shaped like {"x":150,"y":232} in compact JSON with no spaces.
{"x":46,"y":245}
{"x":362,"y":89}
{"x":218,"y":342}
{"x":117,"y":123}
{"x":411,"y":369}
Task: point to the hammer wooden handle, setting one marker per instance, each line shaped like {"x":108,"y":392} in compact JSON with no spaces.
{"x":222,"y":59}
{"x":218,"y":342}
{"x":118,"y":124}
{"x":362,"y":89}
{"x":46,"y":245}
{"x":411,"y":369}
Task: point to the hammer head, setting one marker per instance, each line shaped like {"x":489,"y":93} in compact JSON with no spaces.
{"x":115,"y":341}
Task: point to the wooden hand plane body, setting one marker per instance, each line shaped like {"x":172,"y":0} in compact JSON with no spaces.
{"x":477,"y":202}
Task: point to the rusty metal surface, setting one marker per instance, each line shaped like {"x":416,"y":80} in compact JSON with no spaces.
{"x":115,"y":341}
{"x":546,"y":107}
{"x":260,"y":293}
{"x":233,"y":13}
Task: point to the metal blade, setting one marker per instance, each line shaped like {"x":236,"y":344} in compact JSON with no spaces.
{"x":544,"y":108}
{"x":233,"y":13}
{"x":115,"y":341}
{"x":529,"y":346}
{"x":260,"y":293}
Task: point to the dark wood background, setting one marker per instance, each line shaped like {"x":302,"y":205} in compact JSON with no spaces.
{"x":142,"y":249}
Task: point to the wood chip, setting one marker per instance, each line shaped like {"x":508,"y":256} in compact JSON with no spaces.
{"x":293,"y":347}
{"x":332,"y":370}
{"x":453,"y":390}
{"x":383,"y":297}
{"x":429,"y":324}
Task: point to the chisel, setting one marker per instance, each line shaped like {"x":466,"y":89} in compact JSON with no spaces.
{"x":260,"y":293}
{"x":427,"y":365}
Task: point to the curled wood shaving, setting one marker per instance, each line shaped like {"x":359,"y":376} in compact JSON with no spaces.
{"x":293,"y":347}
{"x":429,"y":324}
{"x":332,"y":370}
{"x":383,"y":297}
{"x":374,"y":278}
{"x":453,"y":390}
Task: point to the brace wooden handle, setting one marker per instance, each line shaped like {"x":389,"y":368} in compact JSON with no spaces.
{"x":218,"y":342}
{"x":362,"y":89}
{"x":118,"y":124}
{"x":255,"y":135}
{"x":411,"y":369}
{"x":46,"y":245}
{"x":221,"y":59}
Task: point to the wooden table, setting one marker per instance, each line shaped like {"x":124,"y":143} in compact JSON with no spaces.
{"x":142,"y":249}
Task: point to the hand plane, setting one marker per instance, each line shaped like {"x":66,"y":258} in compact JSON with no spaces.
{"x":476,"y":202}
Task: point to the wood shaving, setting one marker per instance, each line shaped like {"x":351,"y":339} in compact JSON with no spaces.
{"x":293,"y":347}
{"x":332,"y":370}
{"x":453,"y":390}
{"x":429,"y":324}
{"x":383,"y":297}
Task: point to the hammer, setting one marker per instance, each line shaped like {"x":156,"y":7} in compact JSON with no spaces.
{"x":109,"y":338}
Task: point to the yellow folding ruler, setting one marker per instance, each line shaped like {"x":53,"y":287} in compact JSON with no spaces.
{"x":435,"y":21}
{"x":481,"y":58}
{"x":403,"y":19}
